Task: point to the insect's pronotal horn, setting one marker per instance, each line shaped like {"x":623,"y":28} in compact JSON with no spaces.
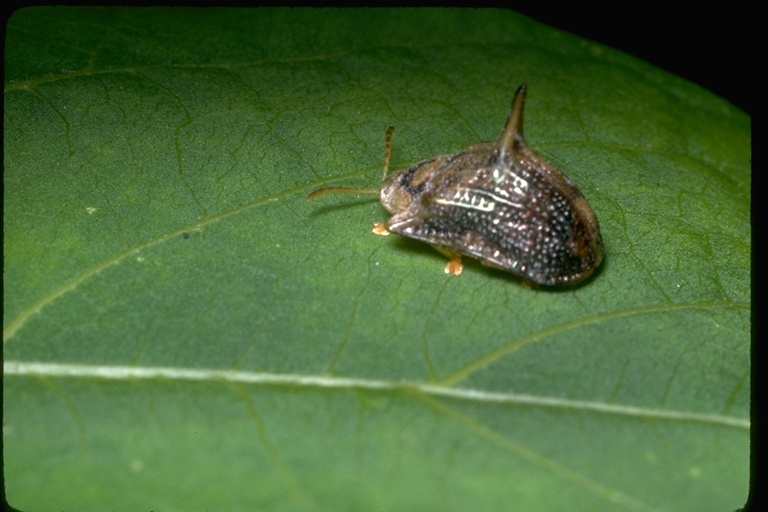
{"x":513,"y":130}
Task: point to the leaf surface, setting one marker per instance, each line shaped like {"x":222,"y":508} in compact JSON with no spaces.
{"x":184,"y":331}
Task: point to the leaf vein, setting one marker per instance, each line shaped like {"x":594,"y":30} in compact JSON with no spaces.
{"x":297,"y":381}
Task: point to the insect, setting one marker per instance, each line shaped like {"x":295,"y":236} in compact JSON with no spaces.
{"x":498,"y":202}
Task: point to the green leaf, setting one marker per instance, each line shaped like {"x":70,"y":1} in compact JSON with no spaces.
{"x":184,"y":331}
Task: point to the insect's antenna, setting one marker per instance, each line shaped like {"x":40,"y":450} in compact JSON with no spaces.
{"x":346,"y":190}
{"x":387,"y":150}
{"x":340,"y":190}
{"x":513,"y":130}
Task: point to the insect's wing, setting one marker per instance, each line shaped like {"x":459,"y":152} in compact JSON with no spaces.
{"x":512,"y":217}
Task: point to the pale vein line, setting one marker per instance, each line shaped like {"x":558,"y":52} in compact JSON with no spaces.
{"x":342,"y":348}
{"x":540,"y":460}
{"x":274,"y":454}
{"x":127,"y":373}
{"x":496,"y":354}
{"x":21,"y":318}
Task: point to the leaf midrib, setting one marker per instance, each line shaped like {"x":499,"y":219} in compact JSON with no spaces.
{"x":132,"y":373}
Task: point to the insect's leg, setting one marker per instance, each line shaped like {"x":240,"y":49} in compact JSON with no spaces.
{"x":379,"y":228}
{"x":454,"y":266}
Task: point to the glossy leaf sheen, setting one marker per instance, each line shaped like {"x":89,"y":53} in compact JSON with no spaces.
{"x":184,"y":331}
